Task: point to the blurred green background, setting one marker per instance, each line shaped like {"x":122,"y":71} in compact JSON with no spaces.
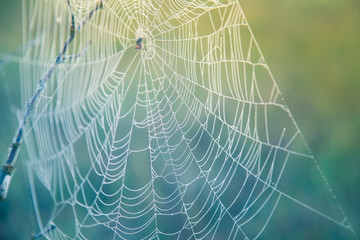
{"x":312,"y":48}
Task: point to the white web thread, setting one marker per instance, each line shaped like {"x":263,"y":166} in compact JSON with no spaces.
{"x":174,"y":141}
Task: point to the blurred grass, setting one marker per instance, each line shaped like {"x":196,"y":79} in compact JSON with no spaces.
{"x":312,"y":48}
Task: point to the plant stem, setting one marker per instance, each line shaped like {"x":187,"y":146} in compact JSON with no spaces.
{"x":7,"y":168}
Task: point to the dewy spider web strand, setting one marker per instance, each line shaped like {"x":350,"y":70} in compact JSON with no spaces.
{"x":185,"y":138}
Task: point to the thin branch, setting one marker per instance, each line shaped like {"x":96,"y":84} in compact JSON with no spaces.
{"x":7,"y":169}
{"x":80,"y":54}
{"x":44,"y":233}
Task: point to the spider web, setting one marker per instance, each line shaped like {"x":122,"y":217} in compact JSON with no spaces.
{"x":187,"y":138}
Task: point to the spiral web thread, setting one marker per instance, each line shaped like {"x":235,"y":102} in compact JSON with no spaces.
{"x":187,"y":138}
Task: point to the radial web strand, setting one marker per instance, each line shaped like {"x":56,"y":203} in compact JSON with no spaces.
{"x":186,"y":138}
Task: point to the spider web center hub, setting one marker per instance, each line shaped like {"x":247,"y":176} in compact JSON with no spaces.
{"x":148,"y":42}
